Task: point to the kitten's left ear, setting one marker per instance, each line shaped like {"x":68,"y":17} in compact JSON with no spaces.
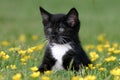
{"x":72,"y":17}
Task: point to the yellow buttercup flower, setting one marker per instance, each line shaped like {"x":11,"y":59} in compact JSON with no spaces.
{"x":13,"y":67}
{"x":34,"y":68}
{"x":22,"y":52}
{"x":5,"y":57}
{"x":102,"y":69}
{"x":115,"y":72}
{"x":116,"y":51}
{"x":91,"y":66}
{"x":48,"y":72}
{"x":29,"y":50}
{"x":34,"y":37}
{"x":99,"y":48}
{"x":90,"y":77}
{"x":75,"y":78}
{"x":101,"y":38}
{"x":94,"y":56}
{"x":111,"y":58}
{"x":22,"y":38}
{"x":35,"y":74}
{"x":45,"y":78}
{"x":17,"y":77}
{"x":5,"y":43}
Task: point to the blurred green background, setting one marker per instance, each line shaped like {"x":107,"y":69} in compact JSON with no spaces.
{"x":23,"y":17}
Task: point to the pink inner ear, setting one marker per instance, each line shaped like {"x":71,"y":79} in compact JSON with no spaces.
{"x":71,"y":20}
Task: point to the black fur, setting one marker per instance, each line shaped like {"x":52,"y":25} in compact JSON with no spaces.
{"x":62,"y":29}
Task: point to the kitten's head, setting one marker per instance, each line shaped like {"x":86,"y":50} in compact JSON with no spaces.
{"x":60,"y":28}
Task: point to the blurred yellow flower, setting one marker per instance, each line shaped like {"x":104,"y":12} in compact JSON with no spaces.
{"x":93,"y":56}
{"x":116,"y":51}
{"x":34,"y":37}
{"x":88,"y":47}
{"x":13,"y":66}
{"x":34,"y":68}
{"x":75,"y":78}
{"x":111,"y":58}
{"x":45,"y":78}
{"x":115,"y":72}
{"x":102,"y":69}
{"x":99,"y":48}
{"x":22,"y":38}
{"x":90,"y":77}
{"x":5,"y":43}
{"x":101,"y":38}
{"x":3,"y":55}
{"x":35,"y":74}
{"x":29,"y":50}
{"x":22,"y":52}
{"x":14,"y":49}
{"x":91,"y":66}
{"x":48,"y":72}
{"x":111,"y":49}
{"x":17,"y":76}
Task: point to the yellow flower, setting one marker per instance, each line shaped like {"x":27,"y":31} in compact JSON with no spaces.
{"x":111,"y":58}
{"x":2,"y":53}
{"x":22,"y":38}
{"x":34,"y":37}
{"x":115,"y":45}
{"x":17,"y":77}
{"x":90,"y":77}
{"x":94,"y":56}
{"x":100,"y":48}
{"x":14,"y":49}
{"x":35,"y":74}
{"x":13,"y":66}
{"x":45,"y":78}
{"x":75,"y":78}
{"x":116,"y":51}
{"x":91,"y":66}
{"x":34,"y":68}
{"x":22,"y":52}
{"x":88,"y":47}
{"x":102,"y":69}
{"x":115,"y":72}
{"x":111,"y":49}
{"x":5,"y":57}
{"x":48,"y":72}
{"x":39,"y":47}
{"x":29,"y":50}
{"x":101,"y":38}
{"x":5,"y":43}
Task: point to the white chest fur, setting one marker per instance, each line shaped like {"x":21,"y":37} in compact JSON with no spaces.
{"x":58,"y":51}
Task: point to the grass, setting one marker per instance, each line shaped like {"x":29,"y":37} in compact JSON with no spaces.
{"x":20,"y":20}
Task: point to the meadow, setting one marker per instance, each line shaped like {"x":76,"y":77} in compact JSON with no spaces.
{"x":22,"y":41}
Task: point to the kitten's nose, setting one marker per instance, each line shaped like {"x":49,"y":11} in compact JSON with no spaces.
{"x":53,"y":36}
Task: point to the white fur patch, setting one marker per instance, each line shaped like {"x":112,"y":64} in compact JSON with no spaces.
{"x":58,"y":51}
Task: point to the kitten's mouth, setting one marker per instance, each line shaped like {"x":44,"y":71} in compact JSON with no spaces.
{"x":59,"y":40}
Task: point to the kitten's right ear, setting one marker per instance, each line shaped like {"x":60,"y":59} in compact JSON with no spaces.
{"x":45,"y":15}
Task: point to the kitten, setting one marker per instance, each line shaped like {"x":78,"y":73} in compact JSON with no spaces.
{"x":63,"y":48}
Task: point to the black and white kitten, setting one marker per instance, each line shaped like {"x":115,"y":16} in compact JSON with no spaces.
{"x":61,"y":31}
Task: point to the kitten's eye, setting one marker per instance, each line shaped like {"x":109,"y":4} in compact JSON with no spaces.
{"x":49,"y":29}
{"x":61,"y":29}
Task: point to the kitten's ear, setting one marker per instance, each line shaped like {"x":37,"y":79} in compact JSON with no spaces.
{"x":72,"y":17}
{"x":45,"y":15}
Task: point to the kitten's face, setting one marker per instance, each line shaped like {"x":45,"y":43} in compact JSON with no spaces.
{"x":60,"y":28}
